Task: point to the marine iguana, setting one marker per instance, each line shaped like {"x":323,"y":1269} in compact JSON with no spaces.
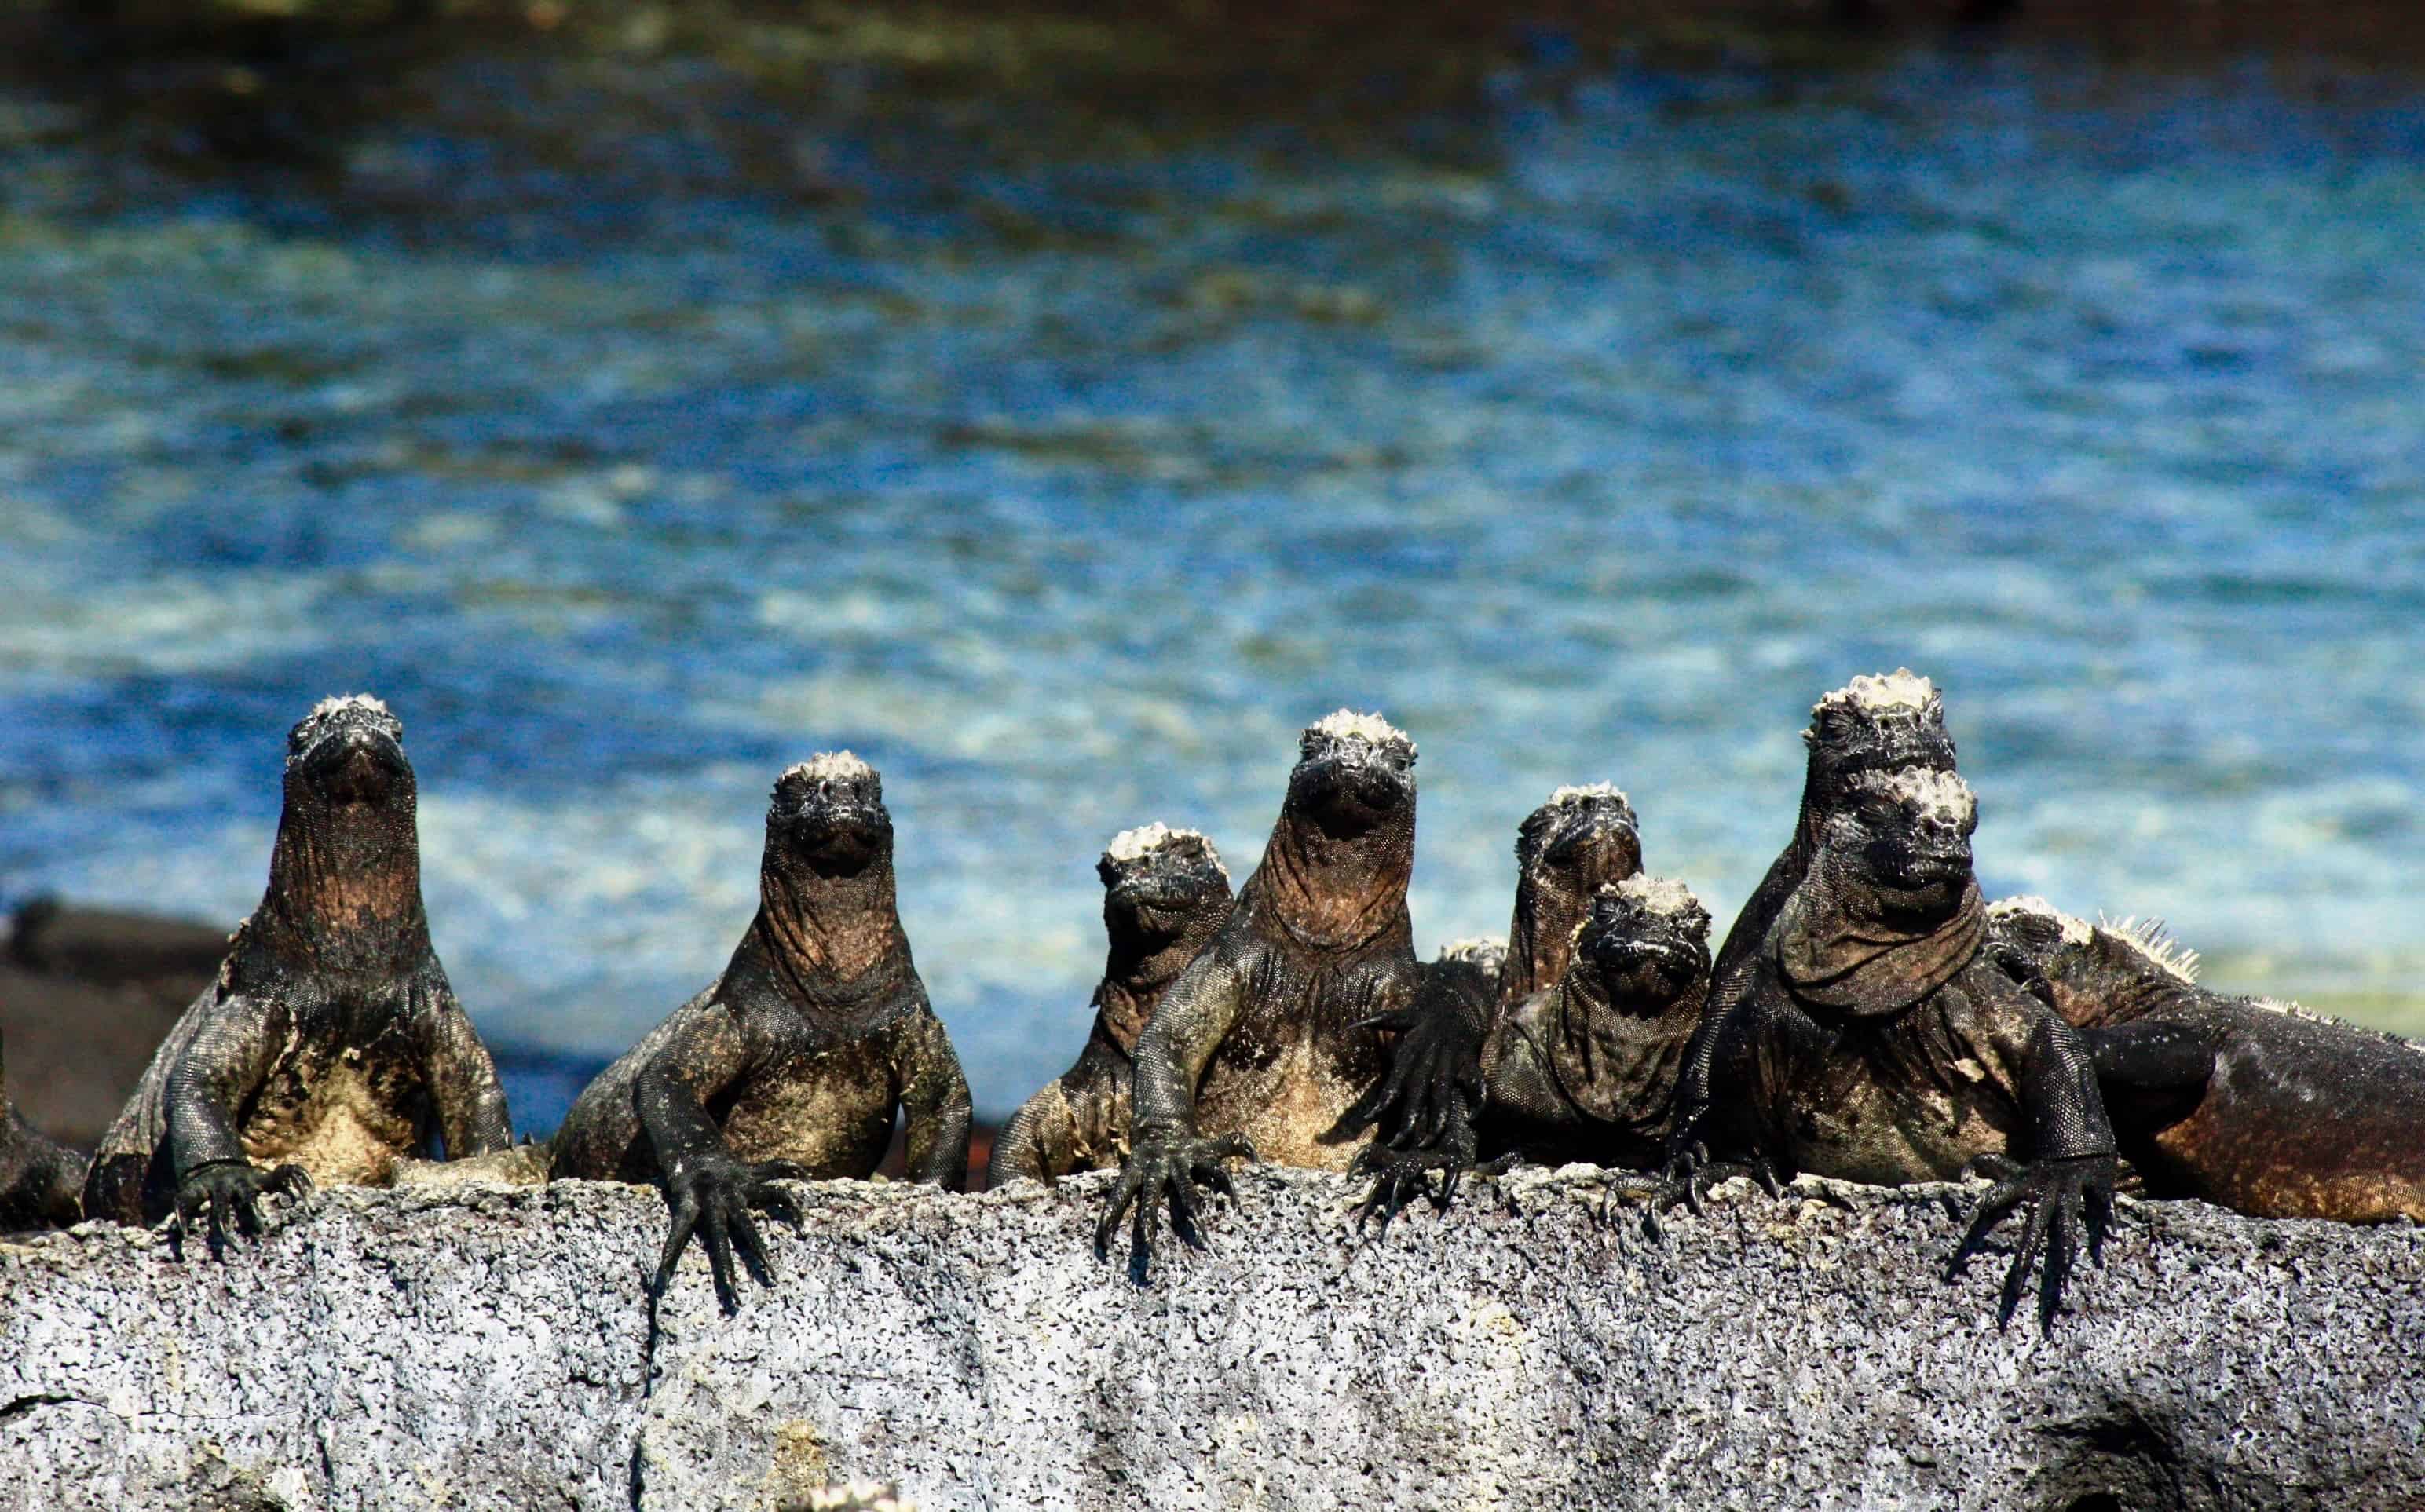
{"x":332,"y":1047}
{"x":1164,"y":893}
{"x":791,"y":1063}
{"x":41,"y":1179}
{"x":1887,"y":723}
{"x":1566,"y":849}
{"x":1586,"y":1068}
{"x":1258,"y":1047}
{"x":2255,"y":1104}
{"x":1878,"y":1041}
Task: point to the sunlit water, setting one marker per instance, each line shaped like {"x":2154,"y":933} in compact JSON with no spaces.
{"x":1066,"y":491}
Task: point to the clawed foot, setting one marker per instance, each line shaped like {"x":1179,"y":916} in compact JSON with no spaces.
{"x":2064,"y":1197}
{"x":1168,"y":1166}
{"x":712,"y":1196}
{"x":225,"y":1191}
{"x":1686,"y":1181}
{"x":1433,"y":1083}
{"x":1400,"y":1176}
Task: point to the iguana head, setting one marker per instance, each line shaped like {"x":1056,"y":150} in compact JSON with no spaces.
{"x":1158,"y":882}
{"x":1355,"y":773}
{"x":1647,"y":940}
{"x":347,"y":754}
{"x":1583,"y":839}
{"x":828,"y":817}
{"x":2099,"y":973}
{"x":1903,"y":839}
{"x":1890,"y":723}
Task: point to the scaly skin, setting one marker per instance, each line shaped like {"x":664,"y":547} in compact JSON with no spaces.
{"x":1566,"y":849}
{"x":1260,"y":1044}
{"x":1872,"y":724}
{"x":1165,"y":894}
{"x":330,"y":1048}
{"x":2260,"y":1106}
{"x":1585,"y":1068}
{"x":792,"y":1063}
{"x":41,"y":1179}
{"x":1879,"y":1042}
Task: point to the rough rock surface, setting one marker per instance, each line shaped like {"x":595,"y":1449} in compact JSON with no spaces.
{"x":492,"y":1348}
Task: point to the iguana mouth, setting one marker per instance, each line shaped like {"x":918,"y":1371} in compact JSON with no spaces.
{"x":355,"y":765}
{"x":1352,"y":791}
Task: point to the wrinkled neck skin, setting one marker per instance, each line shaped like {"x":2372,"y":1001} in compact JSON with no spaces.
{"x":1333,"y":893}
{"x":1619,"y":1061}
{"x":1840,"y":946}
{"x":1141,"y":968}
{"x":831,"y":941}
{"x":344,"y":889}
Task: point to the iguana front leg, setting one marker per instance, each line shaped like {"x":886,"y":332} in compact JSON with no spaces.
{"x":1072,"y":1122}
{"x":220,"y":1069}
{"x":711,"y":1191}
{"x":934,"y":1102}
{"x":2069,"y":1182}
{"x":462,"y":1081}
{"x":1168,"y":1159}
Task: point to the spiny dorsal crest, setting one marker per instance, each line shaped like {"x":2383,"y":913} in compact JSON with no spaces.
{"x":2164,"y":952}
{"x":1870,"y":701}
{"x":1926,"y":794}
{"x":1144,"y":840}
{"x":346,"y":708}
{"x":1347,"y":724}
{"x":1487,"y":951}
{"x":2074,"y":931}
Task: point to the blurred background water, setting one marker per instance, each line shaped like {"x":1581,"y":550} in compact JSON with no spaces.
{"x":637,"y":420}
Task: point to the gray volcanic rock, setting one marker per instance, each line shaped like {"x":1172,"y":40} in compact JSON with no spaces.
{"x":492,"y":1347}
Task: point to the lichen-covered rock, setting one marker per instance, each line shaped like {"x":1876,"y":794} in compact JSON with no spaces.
{"x":492,"y":1347}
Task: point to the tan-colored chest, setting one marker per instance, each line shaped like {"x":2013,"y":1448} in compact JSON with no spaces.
{"x":831,"y":1111}
{"x":346,"y":1116}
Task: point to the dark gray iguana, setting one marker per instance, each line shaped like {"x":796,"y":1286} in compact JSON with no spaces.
{"x":1164,"y":893}
{"x":791,"y":1063}
{"x":331,"y":1049}
{"x":1263,"y":1043}
{"x":1879,"y":1042}
{"x":1428,"y":1104}
{"x":41,"y":1179}
{"x":2259,"y":1105}
{"x":1586,"y":1068}
{"x":1894,"y":723}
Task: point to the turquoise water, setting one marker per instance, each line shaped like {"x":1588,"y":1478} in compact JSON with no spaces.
{"x":1588,"y":432}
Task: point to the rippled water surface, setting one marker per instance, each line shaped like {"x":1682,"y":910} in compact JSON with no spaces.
{"x":1589,"y":432}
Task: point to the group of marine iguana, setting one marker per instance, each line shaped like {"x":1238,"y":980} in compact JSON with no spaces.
{"x":1870,"y":1018}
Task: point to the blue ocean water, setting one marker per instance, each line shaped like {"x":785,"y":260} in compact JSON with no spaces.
{"x":1068,"y":487}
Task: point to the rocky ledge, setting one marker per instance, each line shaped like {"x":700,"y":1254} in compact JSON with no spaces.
{"x":492,"y":1347}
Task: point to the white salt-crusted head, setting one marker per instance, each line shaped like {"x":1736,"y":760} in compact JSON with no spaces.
{"x":1144,"y":840}
{"x":347,"y":708}
{"x":1655,"y":895}
{"x":2074,"y":931}
{"x":2148,"y":938}
{"x":828,"y":765}
{"x":1882,"y":693}
{"x":349,"y":703}
{"x":1940,"y":796}
{"x":1347,"y":724}
{"x":1486,"y":950}
{"x":1588,"y":792}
